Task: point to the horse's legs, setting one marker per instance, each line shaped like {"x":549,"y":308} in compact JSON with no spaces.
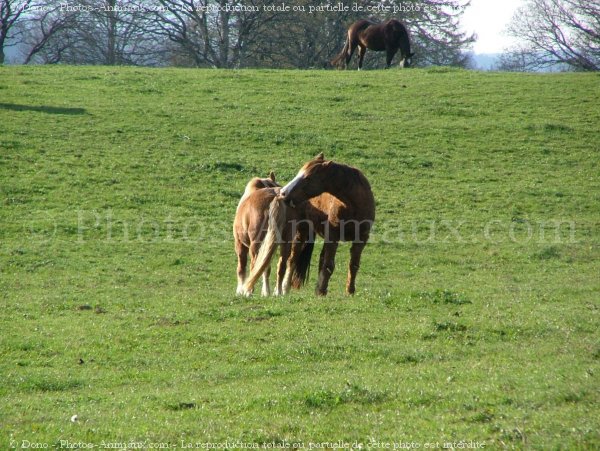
{"x":242,"y":254}
{"x":296,"y":249}
{"x":266,"y":289}
{"x":326,"y":266}
{"x":389,"y":57}
{"x":350,"y":53}
{"x":355,"y":252}
{"x":285,"y":249}
{"x":281,"y":269}
{"x":254,"y":248}
{"x":361,"y":56}
{"x":278,"y":279}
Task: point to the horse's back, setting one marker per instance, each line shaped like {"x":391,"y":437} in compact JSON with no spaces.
{"x":381,"y":36}
{"x":358,"y":29}
{"x":257,"y":202}
{"x":361,"y":24}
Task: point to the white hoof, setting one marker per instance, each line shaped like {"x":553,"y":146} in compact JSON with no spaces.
{"x":243,"y":291}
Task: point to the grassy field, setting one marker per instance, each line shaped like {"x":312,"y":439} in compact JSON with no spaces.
{"x":477,"y":307}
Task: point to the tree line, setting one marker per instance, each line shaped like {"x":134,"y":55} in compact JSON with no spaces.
{"x":218,"y":33}
{"x":280,"y":34}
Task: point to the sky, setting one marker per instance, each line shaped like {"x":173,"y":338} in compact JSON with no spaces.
{"x":488,"y":19}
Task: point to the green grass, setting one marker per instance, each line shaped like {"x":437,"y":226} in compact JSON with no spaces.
{"x":475,"y":318}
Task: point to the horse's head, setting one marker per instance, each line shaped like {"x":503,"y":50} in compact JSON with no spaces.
{"x":309,"y":182}
{"x":406,"y":61}
{"x":270,"y":181}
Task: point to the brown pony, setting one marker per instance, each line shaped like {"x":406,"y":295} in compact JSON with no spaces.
{"x":390,"y":36}
{"x":250,"y":230}
{"x":248,"y":225}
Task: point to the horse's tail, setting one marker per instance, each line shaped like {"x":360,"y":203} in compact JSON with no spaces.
{"x":343,"y":54}
{"x":302,"y":268}
{"x":277,"y":220}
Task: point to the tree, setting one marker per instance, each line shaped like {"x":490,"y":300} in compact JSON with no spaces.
{"x":110,"y":32}
{"x":11,"y":11}
{"x":555,"y":33}
{"x":107,"y":32}
{"x":303,"y":38}
{"x":210,"y":33}
{"x":46,"y":33}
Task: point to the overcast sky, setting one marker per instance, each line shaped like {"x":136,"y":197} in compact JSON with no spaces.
{"x":488,"y":18}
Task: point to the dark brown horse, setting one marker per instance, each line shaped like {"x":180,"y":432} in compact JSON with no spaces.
{"x":337,"y":200}
{"x":389,"y":36}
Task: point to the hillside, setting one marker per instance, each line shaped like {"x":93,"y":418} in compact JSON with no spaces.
{"x":476,"y":313}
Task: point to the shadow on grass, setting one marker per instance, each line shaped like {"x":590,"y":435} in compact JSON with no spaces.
{"x":42,"y":109}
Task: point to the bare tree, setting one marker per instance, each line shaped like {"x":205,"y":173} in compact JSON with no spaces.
{"x":11,"y":12}
{"x":302,"y":39}
{"x":47,"y":33}
{"x":111,"y":32}
{"x":107,"y":32}
{"x":555,"y":33}
{"x":213,"y":33}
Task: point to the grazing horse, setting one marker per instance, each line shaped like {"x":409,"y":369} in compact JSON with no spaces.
{"x":390,"y":36}
{"x":250,"y":230}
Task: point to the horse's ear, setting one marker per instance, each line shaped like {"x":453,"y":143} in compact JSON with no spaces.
{"x":272,"y":176}
{"x":320,"y":156}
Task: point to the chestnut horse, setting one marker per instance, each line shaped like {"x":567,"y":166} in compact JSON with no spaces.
{"x":342,"y":208}
{"x":250,"y":230}
{"x":388,"y":36}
